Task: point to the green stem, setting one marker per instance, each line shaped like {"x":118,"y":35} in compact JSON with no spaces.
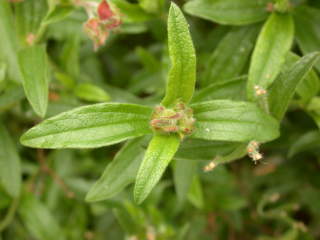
{"x":10,"y":215}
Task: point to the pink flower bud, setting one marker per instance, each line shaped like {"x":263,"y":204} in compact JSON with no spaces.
{"x":104,"y":11}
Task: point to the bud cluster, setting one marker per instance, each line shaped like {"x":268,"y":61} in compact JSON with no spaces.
{"x":178,"y":119}
{"x":103,"y":18}
{"x":253,"y":151}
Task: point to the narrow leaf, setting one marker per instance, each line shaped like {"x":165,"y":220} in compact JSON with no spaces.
{"x":34,"y":68}
{"x":226,"y":120}
{"x":160,"y":152}
{"x":90,"y":126}
{"x":233,"y":12}
{"x":91,"y":93}
{"x":119,"y":173}
{"x":231,"y":55}
{"x":10,"y":172}
{"x":183,"y":174}
{"x":39,"y":220}
{"x":182,"y":75}
{"x":57,"y":14}
{"x":309,"y":141}
{"x":269,"y":54}
{"x":8,"y":44}
{"x":308,"y":29}
{"x":283,"y":89}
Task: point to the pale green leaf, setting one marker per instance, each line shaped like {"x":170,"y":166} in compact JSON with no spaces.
{"x":283,"y":89}
{"x":90,"y":126}
{"x":270,"y":52}
{"x":58,"y":13}
{"x":10,"y":172}
{"x":182,"y":75}
{"x":160,"y":152}
{"x":119,"y":173}
{"x":233,"y":12}
{"x":34,"y":68}
{"x":226,"y":120}
{"x":91,"y":93}
{"x":8,"y":42}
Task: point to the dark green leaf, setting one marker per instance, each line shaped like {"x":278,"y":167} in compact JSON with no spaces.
{"x":182,"y":75}
{"x":308,"y":29}
{"x":231,"y":55}
{"x":10,"y":172}
{"x":119,"y":173}
{"x":309,"y":141}
{"x":160,"y":152}
{"x":269,"y":54}
{"x":233,"y":12}
{"x":226,"y":120}
{"x":90,"y":126}
{"x":283,"y":89}
{"x":34,"y":69}
{"x":195,"y":194}
{"x":39,"y":220}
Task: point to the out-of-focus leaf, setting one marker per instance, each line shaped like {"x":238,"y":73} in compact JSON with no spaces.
{"x":70,"y":56}
{"x":34,"y":68}
{"x":58,"y":13}
{"x":183,"y":173}
{"x":269,"y":54}
{"x":226,"y":120}
{"x":29,"y":15}
{"x":182,"y":75}
{"x":233,"y":89}
{"x":151,"y":6}
{"x":197,"y":149}
{"x":306,"y":142}
{"x":3,"y":70}
{"x":90,"y":126}
{"x":308,"y":29}
{"x":231,"y":55}
{"x":11,"y":95}
{"x":282,"y":90}
{"x":233,"y":12}
{"x":10,"y":172}
{"x":195,"y":195}
{"x":309,"y":86}
{"x":39,"y":220}
{"x":8,"y":44}
{"x":91,"y":93}
{"x":160,"y":152}
{"x":132,"y":12}
{"x":119,"y":173}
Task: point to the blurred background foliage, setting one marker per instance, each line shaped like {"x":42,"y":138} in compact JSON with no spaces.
{"x":278,"y":198}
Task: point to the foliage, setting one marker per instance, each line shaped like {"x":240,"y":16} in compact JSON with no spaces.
{"x":165,"y":96}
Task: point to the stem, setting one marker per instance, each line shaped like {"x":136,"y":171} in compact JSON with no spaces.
{"x":10,"y":215}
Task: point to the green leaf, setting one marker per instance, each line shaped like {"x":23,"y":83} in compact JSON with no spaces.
{"x":283,"y":89}
{"x":90,"y":126}
{"x":195,"y":195}
{"x":183,"y":174}
{"x":233,"y":12}
{"x":38,"y":219}
{"x":226,"y":120}
{"x":10,"y":172}
{"x":8,"y":44}
{"x":91,"y":93}
{"x":309,"y":141}
{"x":309,"y":86}
{"x":232,"y":54}
{"x":160,"y":152}
{"x":198,"y":149}
{"x":58,"y":13}
{"x":34,"y":69}
{"x":182,"y":75}
{"x":307,"y":29}
{"x":119,"y":173}
{"x":12,"y":95}
{"x":233,"y":89}
{"x":29,"y":15}
{"x":269,"y":54}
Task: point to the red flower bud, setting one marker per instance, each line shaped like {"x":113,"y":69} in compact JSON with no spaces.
{"x":104,"y":10}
